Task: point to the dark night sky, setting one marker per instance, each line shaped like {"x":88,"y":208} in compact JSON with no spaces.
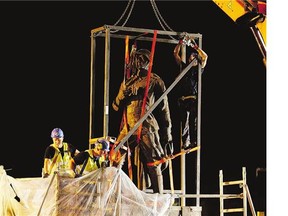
{"x":45,"y":67}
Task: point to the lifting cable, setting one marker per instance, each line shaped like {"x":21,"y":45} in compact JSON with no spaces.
{"x":124,"y":12}
{"x":160,"y":17}
{"x":156,"y":11}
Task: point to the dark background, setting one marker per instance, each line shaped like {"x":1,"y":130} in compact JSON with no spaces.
{"x":45,"y":75}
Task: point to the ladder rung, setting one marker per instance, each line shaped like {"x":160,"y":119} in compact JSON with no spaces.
{"x":236,"y":196}
{"x":233,"y":210}
{"x":232,"y":182}
{"x":242,"y":184}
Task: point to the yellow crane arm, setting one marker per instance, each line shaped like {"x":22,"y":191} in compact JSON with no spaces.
{"x":250,"y":13}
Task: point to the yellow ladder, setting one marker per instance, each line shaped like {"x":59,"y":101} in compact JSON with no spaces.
{"x":245,"y":195}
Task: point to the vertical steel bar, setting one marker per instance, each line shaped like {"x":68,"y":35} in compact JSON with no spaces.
{"x":183,"y":157}
{"x":244,"y":191}
{"x":221,"y":191}
{"x":199,"y":128}
{"x":106,"y":83}
{"x":92,"y":83}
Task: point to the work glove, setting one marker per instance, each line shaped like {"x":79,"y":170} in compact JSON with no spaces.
{"x":184,"y":39}
{"x":188,"y":40}
{"x":183,"y":35}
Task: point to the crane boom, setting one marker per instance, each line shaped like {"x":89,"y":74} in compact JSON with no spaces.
{"x":251,"y":13}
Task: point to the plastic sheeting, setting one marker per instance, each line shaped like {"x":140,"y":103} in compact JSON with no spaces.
{"x":106,"y":191}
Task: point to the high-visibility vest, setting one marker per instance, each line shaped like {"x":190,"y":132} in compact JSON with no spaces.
{"x":92,"y":164}
{"x":58,"y":162}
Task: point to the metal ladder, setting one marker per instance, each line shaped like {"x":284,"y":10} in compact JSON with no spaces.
{"x":245,"y":195}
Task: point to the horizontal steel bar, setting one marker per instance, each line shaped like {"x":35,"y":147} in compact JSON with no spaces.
{"x":178,"y":193}
{"x":142,"y":30}
{"x":163,"y":40}
{"x":227,"y":196}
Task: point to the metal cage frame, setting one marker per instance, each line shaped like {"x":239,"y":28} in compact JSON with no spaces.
{"x":111,"y":31}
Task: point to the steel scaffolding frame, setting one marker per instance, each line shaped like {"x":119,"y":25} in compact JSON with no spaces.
{"x":111,"y":31}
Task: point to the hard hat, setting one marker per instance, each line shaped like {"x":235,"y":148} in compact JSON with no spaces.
{"x":103,"y":143}
{"x":57,"y":133}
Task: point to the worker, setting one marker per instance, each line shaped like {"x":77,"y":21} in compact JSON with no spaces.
{"x":188,"y":87}
{"x":91,"y":159}
{"x":58,"y":155}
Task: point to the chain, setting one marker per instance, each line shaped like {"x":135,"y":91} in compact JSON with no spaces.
{"x":156,"y":11}
{"x":128,"y":16}
{"x":160,"y":18}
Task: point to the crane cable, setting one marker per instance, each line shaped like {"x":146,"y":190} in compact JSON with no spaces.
{"x":156,"y":11}
{"x":124,"y":12}
{"x":160,"y":18}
